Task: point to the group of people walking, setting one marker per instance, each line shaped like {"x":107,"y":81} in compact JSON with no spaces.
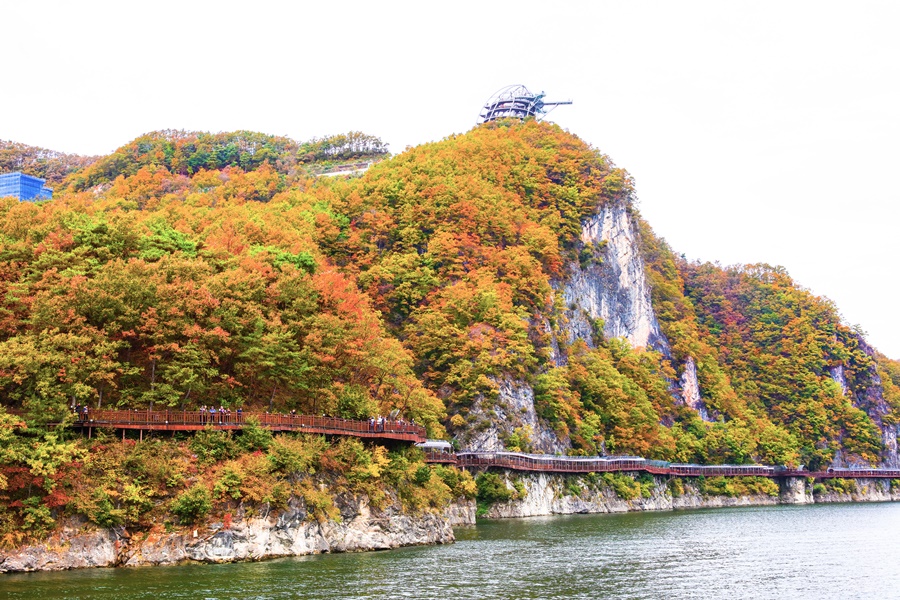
{"x":378,"y":423}
{"x":81,"y":412}
{"x":211,"y":414}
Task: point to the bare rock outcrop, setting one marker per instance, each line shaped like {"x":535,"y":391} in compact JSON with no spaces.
{"x":611,"y":283}
{"x":690,"y":390}
{"x":270,"y":534}
{"x":510,"y":411}
{"x":541,"y":494}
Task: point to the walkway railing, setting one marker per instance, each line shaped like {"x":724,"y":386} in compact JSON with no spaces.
{"x":605,"y":464}
{"x":169,"y":420}
{"x":180,"y":420}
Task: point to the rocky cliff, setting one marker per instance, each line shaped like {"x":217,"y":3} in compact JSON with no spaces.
{"x":609,"y":283}
{"x":277,"y":533}
{"x":511,"y":411}
{"x":869,"y":398}
{"x":606,"y":291}
{"x":573,"y":494}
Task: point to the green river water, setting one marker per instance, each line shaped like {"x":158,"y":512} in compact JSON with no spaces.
{"x":825,"y":551}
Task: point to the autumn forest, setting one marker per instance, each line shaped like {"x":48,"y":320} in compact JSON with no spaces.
{"x":190,"y":269}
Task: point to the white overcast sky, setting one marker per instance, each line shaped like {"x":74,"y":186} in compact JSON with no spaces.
{"x":757,"y":131}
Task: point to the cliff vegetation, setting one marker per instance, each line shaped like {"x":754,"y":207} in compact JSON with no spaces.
{"x":191,"y":268}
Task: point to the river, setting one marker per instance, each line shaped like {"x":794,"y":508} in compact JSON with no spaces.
{"x":822,"y":551}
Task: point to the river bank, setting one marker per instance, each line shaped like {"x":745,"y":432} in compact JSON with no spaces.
{"x":269,"y":534}
{"x":546,"y":494}
{"x":361,"y":527}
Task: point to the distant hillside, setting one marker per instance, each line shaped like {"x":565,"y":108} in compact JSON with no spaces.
{"x":40,"y":162}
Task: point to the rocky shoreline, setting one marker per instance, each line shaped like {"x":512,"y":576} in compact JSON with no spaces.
{"x":546,"y":495}
{"x":292,"y":532}
{"x":274,"y":534}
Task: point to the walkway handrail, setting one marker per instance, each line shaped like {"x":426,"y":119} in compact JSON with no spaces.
{"x":518,"y":461}
{"x":172,"y":420}
{"x":186,"y":420}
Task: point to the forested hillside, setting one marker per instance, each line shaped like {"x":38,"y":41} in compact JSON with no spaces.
{"x":190,"y":268}
{"x":40,"y":162}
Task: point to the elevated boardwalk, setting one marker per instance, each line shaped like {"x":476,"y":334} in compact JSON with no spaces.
{"x":173,"y":420}
{"x":178,"y":420}
{"x":594,"y":464}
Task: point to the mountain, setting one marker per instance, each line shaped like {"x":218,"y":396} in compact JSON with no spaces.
{"x":499,"y":286}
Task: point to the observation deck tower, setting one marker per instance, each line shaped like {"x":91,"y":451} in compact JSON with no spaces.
{"x":516,"y":102}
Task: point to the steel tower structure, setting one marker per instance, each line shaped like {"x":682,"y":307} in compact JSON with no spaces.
{"x":516,"y":102}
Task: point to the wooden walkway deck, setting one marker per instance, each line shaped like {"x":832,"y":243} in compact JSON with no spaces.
{"x":577,"y":464}
{"x":169,"y":420}
{"x":179,"y":420}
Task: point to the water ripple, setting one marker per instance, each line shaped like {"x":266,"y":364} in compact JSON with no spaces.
{"x":834,"y":551}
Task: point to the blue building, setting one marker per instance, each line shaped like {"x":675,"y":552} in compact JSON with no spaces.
{"x":24,"y":187}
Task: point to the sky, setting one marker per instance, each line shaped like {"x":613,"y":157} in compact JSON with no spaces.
{"x":763,"y":131}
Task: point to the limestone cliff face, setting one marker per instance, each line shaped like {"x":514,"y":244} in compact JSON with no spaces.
{"x":612,"y":284}
{"x":573,"y":494}
{"x":270,"y":534}
{"x":510,"y":412}
{"x":870,"y":398}
{"x":690,"y":390}
{"x":607,"y":286}
{"x":866,"y":490}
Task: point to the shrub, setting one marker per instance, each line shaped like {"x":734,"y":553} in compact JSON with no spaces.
{"x":492,"y":488}
{"x":676,"y":487}
{"x":521,"y":492}
{"x":520,"y":439}
{"x":295,"y":455}
{"x":819,"y":489}
{"x":229,"y":482}
{"x":212,"y":446}
{"x":104,"y":513}
{"x":192,"y":504}
{"x":357,"y":462}
{"x":423,"y":475}
{"x":460,"y":482}
{"x":254,"y":436}
{"x":318,"y":503}
{"x":136,"y":501}
{"x":736,"y":486}
{"x":428,"y":492}
{"x":158,"y":464}
{"x":624,"y":486}
{"x":37,"y":518}
{"x":840,"y":485}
